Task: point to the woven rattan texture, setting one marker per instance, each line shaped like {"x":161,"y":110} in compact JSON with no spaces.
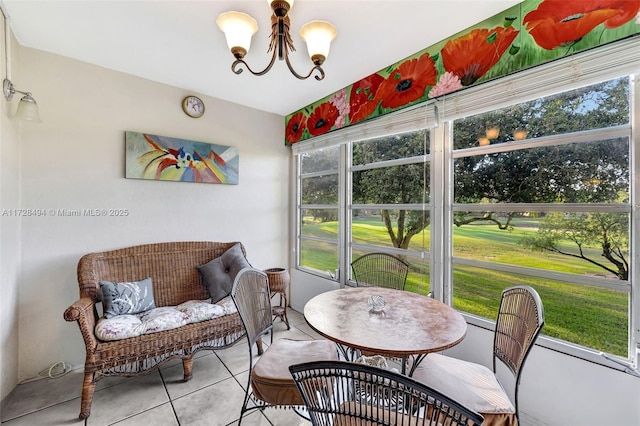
{"x":520,"y":318}
{"x":380,"y":270}
{"x":173,"y":271}
{"x":344,"y":393}
{"x":278,"y":279}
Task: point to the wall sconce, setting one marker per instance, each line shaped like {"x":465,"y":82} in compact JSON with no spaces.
{"x":27,"y":108}
{"x":239,"y":28}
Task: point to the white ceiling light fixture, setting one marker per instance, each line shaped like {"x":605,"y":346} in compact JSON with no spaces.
{"x":239,"y":27}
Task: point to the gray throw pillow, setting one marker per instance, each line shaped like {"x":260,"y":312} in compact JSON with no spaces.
{"x":126,"y":298}
{"x":219,"y":273}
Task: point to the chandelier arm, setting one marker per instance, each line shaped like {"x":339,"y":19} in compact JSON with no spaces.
{"x":316,"y":67}
{"x":240,"y":61}
{"x":280,"y":45}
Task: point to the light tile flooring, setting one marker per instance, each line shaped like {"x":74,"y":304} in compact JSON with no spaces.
{"x":212,"y":397}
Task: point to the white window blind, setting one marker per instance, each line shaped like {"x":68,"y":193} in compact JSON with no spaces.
{"x":409,"y":119}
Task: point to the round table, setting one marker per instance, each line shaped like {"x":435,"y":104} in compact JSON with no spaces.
{"x":410,"y":325}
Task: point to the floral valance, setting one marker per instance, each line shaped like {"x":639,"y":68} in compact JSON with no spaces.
{"x":526,"y":35}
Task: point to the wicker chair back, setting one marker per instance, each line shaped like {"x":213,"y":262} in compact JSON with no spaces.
{"x":251,"y":294}
{"x":380,"y":270}
{"x":166,"y":264}
{"x":344,"y":393}
{"x":520,"y":319}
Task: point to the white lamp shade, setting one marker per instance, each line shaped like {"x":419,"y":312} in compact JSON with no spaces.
{"x":238,"y":28}
{"x":28,"y":110}
{"x":318,"y":36}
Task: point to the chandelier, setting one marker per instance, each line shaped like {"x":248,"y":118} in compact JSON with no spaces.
{"x":239,"y":27}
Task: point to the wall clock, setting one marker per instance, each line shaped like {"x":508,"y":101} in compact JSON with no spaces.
{"x":193,"y":106}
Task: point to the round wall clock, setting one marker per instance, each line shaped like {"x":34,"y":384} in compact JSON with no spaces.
{"x":193,"y":106}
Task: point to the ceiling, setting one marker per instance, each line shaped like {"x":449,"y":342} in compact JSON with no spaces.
{"x":178,"y":43}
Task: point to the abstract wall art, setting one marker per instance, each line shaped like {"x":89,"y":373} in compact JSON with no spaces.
{"x":180,"y":160}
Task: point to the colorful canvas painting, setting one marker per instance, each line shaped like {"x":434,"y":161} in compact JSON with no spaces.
{"x":163,"y":158}
{"x":523,"y":36}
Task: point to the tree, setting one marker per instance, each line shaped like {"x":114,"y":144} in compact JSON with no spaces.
{"x":593,"y":172}
{"x":323,"y":188}
{"x":585,"y":172}
{"x":399,"y":184}
{"x":608,"y":230}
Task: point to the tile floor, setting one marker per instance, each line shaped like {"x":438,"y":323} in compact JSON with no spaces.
{"x":212,"y":397}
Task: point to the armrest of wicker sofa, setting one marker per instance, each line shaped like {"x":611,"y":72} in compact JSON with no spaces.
{"x":83,"y":312}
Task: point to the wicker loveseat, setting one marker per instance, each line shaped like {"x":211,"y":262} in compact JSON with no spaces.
{"x":173,"y":269}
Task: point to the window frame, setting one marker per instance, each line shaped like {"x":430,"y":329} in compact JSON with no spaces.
{"x":300,"y":207}
{"x":605,"y":63}
{"x":425,"y":160}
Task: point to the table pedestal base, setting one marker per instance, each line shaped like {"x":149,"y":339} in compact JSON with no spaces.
{"x":411,"y":362}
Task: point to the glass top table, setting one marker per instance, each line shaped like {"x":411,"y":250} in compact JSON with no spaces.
{"x":410,"y":325}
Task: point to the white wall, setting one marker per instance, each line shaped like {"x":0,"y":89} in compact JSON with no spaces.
{"x":75,"y":160}
{"x":9,"y":237}
{"x":305,"y":286}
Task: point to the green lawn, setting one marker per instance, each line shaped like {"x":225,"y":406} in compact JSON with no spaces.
{"x":588,"y":316}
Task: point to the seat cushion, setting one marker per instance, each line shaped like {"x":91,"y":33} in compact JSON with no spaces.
{"x":160,"y":319}
{"x":271,"y":380}
{"x":472,"y":385}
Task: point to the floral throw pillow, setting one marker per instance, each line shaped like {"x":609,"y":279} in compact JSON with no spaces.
{"x":126,"y":298}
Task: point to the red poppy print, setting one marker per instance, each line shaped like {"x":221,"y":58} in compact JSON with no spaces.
{"x":408,"y":82}
{"x":322,"y":119}
{"x":627,"y":10}
{"x":470,"y":56}
{"x":362,"y":98}
{"x":560,"y":22}
{"x":295,"y":128}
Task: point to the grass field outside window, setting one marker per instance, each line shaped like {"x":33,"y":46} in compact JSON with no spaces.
{"x":582,"y":314}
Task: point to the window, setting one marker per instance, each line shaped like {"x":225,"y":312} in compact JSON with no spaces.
{"x":542,"y":199}
{"x":319,"y":209}
{"x":389,"y":201}
{"x":532,"y":187}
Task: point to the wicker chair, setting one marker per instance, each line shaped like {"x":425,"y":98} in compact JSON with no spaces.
{"x":380,"y":270}
{"x":270,"y":383}
{"x":338,"y":393}
{"x":520,"y":319}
